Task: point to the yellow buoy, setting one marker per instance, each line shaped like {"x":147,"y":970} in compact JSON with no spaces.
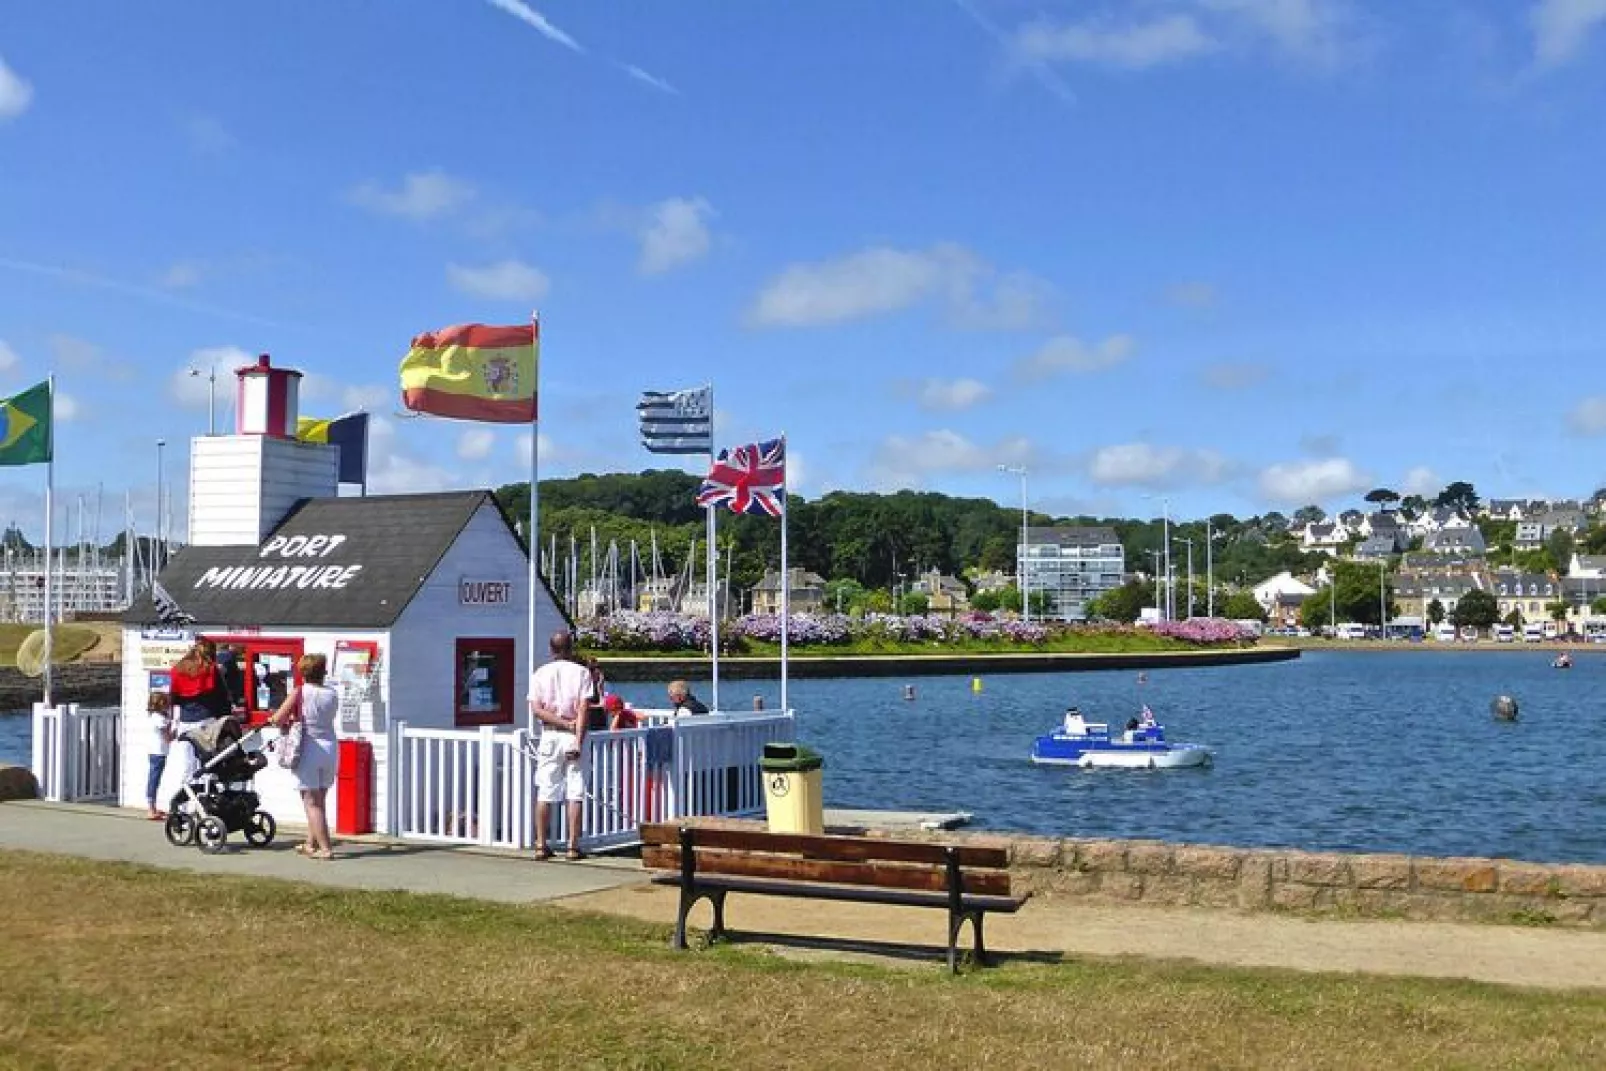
{"x":975,"y":684}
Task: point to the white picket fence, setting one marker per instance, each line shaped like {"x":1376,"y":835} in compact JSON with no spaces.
{"x":476,"y":786}
{"x":76,"y":757}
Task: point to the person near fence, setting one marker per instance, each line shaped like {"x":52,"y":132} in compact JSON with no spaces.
{"x":620,"y":716}
{"x":315,"y":705}
{"x":596,"y":716}
{"x":158,"y":712}
{"x":682,"y":701}
{"x":559,"y":695}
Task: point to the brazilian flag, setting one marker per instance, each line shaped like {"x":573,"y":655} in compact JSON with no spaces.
{"x":25,"y":432}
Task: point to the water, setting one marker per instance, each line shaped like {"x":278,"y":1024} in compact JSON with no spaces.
{"x":1338,"y":751}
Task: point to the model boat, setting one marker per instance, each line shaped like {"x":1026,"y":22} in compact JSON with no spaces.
{"x":1140,"y":746}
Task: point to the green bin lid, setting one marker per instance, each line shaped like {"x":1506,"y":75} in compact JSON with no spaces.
{"x":789,"y":758}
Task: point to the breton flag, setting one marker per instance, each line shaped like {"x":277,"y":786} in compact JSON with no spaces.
{"x":168,"y":611}
{"x":474,"y":372}
{"x":748,"y":479}
{"x":25,"y":437}
{"x":350,"y":433}
{"x":677,"y":421}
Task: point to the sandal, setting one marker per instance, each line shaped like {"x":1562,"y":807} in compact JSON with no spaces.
{"x":573,"y":855}
{"x":303,"y":849}
{"x":323,"y":855}
{"x":543,"y":853}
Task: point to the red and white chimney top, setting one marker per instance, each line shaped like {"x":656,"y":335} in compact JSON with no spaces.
{"x":267,"y":401}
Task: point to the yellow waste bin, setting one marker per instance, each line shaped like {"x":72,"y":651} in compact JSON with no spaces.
{"x":792,"y":799}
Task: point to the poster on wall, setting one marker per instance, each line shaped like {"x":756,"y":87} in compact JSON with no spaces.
{"x":162,"y":654}
{"x":160,"y":692}
{"x":352,"y":675}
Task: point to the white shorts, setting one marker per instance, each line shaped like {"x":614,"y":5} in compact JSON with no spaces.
{"x":558,"y":778}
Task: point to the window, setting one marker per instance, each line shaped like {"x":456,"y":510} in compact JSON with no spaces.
{"x":260,"y":673}
{"x":484,"y":686}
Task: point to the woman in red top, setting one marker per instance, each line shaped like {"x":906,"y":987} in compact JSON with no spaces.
{"x":197,"y":685}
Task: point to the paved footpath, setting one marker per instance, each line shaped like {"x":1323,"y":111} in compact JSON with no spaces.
{"x":1046,"y":928}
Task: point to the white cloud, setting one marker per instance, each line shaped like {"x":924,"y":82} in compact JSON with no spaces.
{"x":189,"y":385}
{"x":1133,"y":46}
{"x":475,"y":444}
{"x":1146,"y":465}
{"x":76,"y":354}
{"x":15,"y":93}
{"x":882,"y":279}
{"x":1065,"y":353}
{"x":368,"y":397}
{"x":1562,"y":27}
{"x":394,"y":469}
{"x":1321,"y":33}
{"x":904,"y":461}
{"x":8,"y":357}
{"x":1234,"y":375}
{"x":675,"y":233}
{"x":67,"y":408}
{"x":944,"y":395}
{"x":1421,"y":480}
{"x":506,"y":280}
{"x":1192,"y":295}
{"x":528,"y":15}
{"x":421,"y":195}
{"x":1588,"y":417}
{"x":182,"y":274}
{"x":521,"y":450}
{"x":1297,"y":483}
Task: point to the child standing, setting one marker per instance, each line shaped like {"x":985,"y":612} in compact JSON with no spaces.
{"x":161,"y":736}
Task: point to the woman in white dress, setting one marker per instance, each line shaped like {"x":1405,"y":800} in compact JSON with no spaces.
{"x":315,"y":706}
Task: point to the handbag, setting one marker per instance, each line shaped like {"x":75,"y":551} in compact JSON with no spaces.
{"x":290,"y":743}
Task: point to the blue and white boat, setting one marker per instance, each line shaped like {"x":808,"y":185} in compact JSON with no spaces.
{"x":1141,"y":746}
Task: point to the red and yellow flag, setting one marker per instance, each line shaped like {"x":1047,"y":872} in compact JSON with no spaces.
{"x":474,"y":372}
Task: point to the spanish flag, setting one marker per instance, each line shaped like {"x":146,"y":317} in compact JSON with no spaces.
{"x":473,"y":372}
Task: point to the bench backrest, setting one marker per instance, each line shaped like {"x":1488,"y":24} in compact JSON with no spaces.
{"x":835,"y":860}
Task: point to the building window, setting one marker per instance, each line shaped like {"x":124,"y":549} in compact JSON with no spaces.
{"x":484,"y":686}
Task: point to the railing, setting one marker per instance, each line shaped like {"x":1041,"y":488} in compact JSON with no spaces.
{"x":76,"y":753}
{"x":476,"y":786}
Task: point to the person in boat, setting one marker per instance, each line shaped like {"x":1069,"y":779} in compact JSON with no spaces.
{"x":1075,"y":724}
{"x":1146,"y":718}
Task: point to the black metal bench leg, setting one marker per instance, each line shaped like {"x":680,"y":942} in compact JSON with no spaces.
{"x":716,"y":900}
{"x":982,"y":958}
{"x":956,"y":921}
{"x":687,"y":900}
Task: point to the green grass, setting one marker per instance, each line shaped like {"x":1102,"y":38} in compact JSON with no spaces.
{"x":68,"y":643}
{"x":1083,"y":643}
{"x":113,"y":966}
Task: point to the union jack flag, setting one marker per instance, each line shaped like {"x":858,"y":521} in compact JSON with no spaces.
{"x":748,"y":479}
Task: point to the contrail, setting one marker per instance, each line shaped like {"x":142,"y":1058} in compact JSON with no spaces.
{"x":648,"y":79}
{"x":1039,"y":69}
{"x":527,"y":14}
{"x":145,"y":293}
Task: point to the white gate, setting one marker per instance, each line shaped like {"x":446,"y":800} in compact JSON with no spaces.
{"x":76,"y":753}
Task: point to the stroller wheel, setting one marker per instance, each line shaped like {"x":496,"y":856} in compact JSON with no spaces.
{"x":260,"y":829}
{"x":180,"y":828}
{"x":212,"y":834}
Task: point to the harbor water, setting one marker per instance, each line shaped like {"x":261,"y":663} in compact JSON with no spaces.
{"x":1338,"y":751}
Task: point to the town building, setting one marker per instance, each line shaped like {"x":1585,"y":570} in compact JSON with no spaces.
{"x":1528,"y":595}
{"x":944,"y":594}
{"x":1072,"y":566}
{"x":807,"y":591}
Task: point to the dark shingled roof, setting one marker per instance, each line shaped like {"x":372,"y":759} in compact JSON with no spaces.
{"x":391,"y":545}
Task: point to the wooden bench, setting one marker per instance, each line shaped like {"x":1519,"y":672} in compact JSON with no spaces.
{"x":707,"y":863}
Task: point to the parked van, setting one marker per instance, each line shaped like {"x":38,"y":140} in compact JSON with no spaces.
{"x":1445,"y":633}
{"x":1351,"y":631}
{"x":1534,"y":633}
{"x":1504,"y":634}
{"x":1552,"y":630}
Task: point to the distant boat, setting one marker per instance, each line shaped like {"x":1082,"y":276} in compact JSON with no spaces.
{"x":1142,"y":746}
{"x":1562,"y":661}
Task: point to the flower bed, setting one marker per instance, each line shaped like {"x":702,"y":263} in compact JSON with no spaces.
{"x":667,"y":632}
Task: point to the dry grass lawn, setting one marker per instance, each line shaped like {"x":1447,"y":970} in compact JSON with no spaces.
{"x":116,"y":966}
{"x":69,"y":643}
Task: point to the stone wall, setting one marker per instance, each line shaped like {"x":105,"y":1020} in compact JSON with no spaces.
{"x":88,"y":683}
{"x":1386,"y":886}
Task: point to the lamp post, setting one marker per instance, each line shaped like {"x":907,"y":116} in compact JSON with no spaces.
{"x":1023,"y":578}
{"x":1189,"y":542}
{"x":1382,"y":598}
{"x":161,"y":544}
{"x":1210,"y":569}
{"x":211,"y":397}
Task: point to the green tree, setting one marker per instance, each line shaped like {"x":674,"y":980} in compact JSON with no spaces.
{"x":1435,"y":612}
{"x":1124,"y":603}
{"x":1459,"y":495}
{"x":1382,"y":497}
{"x":1358,"y":597}
{"x":1558,"y":610}
{"x":1309,"y":515}
{"x":985,"y":601}
{"x":843,"y":594}
{"x":1514,"y":618}
{"x":1599,"y":605}
{"x":914,"y":602}
{"x":1594,"y":541}
{"x":878,"y":601}
{"x":1477,"y":608}
{"x":1241,"y":606}
{"x":1560,"y":545}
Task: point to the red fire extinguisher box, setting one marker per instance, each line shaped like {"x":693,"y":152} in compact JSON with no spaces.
{"x":354,"y":788}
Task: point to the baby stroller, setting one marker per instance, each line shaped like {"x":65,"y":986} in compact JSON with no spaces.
{"x":219,"y":799}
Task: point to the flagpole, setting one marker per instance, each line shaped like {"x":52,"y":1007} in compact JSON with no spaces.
{"x":786,"y":581}
{"x":713,"y":567}
{"x":50,"y":515}
{"x":534,"y":534}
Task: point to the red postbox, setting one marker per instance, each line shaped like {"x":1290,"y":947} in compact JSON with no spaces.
{"x":354,"y":790}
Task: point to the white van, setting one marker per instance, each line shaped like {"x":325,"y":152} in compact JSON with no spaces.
{"x":1504,"y":634}
{"x":1534,"y":633}
{"x":1445,"y":633}
{"x":1351,"y":631}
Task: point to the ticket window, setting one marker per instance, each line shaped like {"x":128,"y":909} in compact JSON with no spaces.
{"x":485,"y":680}
{"x":269,"y":675}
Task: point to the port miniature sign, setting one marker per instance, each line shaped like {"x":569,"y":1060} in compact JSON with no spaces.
{"x":273,"y":577}
{"x":478,"y":592}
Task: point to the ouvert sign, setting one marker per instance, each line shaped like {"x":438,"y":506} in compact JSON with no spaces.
{"x":273,"y":576}
{"x":475,"y":591}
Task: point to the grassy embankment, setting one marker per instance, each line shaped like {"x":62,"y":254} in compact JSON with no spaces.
{"x":1135,"y":642}
{"x":106,"y":965}
{"x":69,"y":643}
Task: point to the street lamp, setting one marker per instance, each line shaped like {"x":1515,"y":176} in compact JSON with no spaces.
{"x":1169,"y":611}
{"x":211,"y":397}
{"x":1024,"y":579}
{"x":161,"y":544}
{"x":1382,"y":599}
{"x":1189,"y":542}
{"x":1210,"y":568}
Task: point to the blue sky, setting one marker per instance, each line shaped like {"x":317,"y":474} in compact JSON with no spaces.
{"x":1242,"y":254}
